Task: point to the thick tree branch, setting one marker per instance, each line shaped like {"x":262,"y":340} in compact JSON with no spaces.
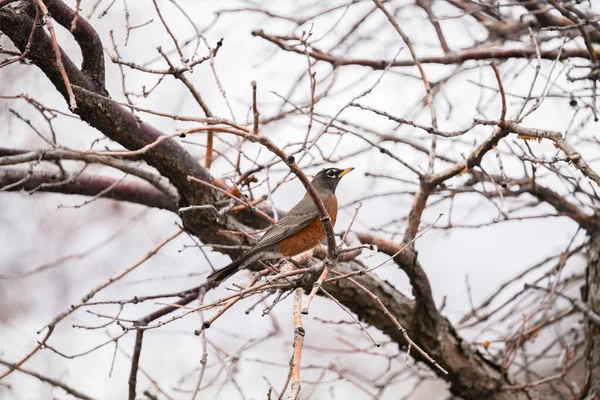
{"x":592,"y":292}
{"x":17,"y":179}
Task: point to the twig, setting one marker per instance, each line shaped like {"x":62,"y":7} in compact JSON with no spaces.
{"x":208,"y":159}
{"x":368,"y":238}
{"x":452,"y":58}
{"x":208,"y":323}
{"x":49,"y":380}
{"x":578,"y":304}
{"x":48,"y":21}
{"x":204,"y":359}
{"x":409,"y":341}
{"x":343,"y":307}
{"x":231,"y":196}
{"x":23,"y":156}
{"x":182,"y":57}
{"x":315,"y":289}
{"x":428,"y":94}
{"x":135,"y":362}
{"x":15,"y":366}
{"x":502,"y":94}
{"x":580,"y":27}
{"x":574,"y":156}
{"x":351,"y":223}
{"x":255,"y":109}
{"x":299,"y":333}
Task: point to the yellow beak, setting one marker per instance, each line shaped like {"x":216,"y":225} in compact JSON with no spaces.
{"x":344,"y":172}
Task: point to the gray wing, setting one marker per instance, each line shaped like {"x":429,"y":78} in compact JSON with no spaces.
{"x":297,"y":218}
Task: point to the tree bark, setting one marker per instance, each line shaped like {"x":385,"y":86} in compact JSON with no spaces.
{"x":592,"y":294}
{"x":17,"y":179}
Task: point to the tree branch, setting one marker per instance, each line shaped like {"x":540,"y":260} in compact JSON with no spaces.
{"x":592,"y":292}
{"x":50,"y":381}
{"x":86,"y":185}
{"x":456,"y":57}
{"x":17,"y":156}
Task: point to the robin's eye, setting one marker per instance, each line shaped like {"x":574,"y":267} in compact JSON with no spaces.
{"x":331,"y":174}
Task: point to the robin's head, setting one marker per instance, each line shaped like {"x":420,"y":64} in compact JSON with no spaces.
{"x":328,"y":178}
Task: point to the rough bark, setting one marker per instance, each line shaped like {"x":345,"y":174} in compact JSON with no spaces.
{"x":592,"y":294}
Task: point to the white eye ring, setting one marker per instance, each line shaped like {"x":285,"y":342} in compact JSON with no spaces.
{"x":331,"y":174}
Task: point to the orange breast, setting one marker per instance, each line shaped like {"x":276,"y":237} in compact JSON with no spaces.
{"x":311,"y":235}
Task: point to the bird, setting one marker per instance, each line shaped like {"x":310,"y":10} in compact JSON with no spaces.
{"x":298,"y":231}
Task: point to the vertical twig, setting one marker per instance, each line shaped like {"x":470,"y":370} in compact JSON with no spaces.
{"x":538,"y":66}
{"x":313,"y":85}
{"x":502,"y":94}
{"x":59,"y":64}
{"x":316,"y":287}
{"x":255,"y":109}
{"x":428,"y":96}
{"x":204,"y":359}
{"x":298,"y":342}
{"x":182,"y":57}
{"x":208,"y":159}
{"x":76,"y":16}
{"x":426,"y":6}
{"x":135,"y":362}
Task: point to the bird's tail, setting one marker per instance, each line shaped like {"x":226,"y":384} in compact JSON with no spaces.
{"x":226,"y":272}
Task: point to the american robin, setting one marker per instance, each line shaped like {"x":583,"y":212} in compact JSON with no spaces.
{"x":299,"y":230}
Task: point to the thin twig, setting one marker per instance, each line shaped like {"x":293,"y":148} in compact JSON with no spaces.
{"x":48,"y":21}
{"x":299,"y":334}
{"x":502,"y":94}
